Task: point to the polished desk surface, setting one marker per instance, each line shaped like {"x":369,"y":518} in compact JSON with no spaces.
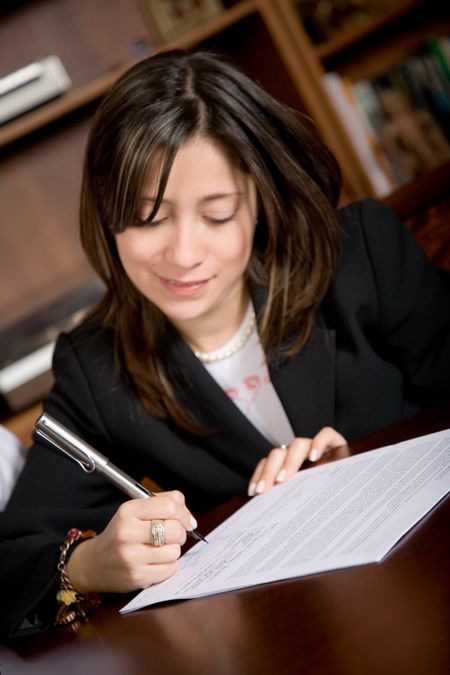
{"x":387,"y":618}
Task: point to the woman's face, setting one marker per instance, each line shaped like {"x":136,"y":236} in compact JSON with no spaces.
{"x":190,"y":260}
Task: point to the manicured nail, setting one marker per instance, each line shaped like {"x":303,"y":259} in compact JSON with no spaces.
{"x":260,"y":487}
{"x":314,"y":455}
{"x":251,"y":489}
{"x":193,"y":523}
{"x":281,"y":476}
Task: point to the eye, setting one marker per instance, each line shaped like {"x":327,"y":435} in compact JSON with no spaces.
{"x":219,"y":220}
{"x":142,"y":217}
{"x":156,"y":221}
{"x":221,"y":208}
{"x":138,"y":222}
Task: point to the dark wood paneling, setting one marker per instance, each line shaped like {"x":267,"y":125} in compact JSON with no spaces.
{"x":424,"y":205}
{"x":89,"y":36}
{"x":40,"y":254}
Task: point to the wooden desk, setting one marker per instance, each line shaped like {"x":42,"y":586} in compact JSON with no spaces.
{"x":388,"y":618}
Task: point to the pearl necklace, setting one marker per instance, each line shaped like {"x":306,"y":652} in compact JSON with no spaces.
{"x":210,"y":357}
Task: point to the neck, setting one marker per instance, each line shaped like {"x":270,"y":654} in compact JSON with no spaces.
{"x":216,"y":329}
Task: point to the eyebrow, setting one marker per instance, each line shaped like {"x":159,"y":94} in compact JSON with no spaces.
{"x":208,"y":198}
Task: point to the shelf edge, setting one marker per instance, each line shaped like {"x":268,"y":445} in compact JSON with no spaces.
{"x":58,"y":108}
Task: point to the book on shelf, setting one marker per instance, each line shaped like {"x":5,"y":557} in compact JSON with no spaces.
{"x":405,"y":113}
{"x":415,"y":96}
{"x":440,"y":46}
{"x":363,"y":138}
{"x":173,"y":18}
{"x":428,"y":76}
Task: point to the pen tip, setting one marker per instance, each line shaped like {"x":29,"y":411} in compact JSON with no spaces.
{"x":198,"y":536}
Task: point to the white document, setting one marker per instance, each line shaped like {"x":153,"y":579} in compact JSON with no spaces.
{"x":341,"y":514}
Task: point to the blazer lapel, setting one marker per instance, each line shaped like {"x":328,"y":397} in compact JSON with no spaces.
{"x":305,"y":384}
{"x":238,"y":442}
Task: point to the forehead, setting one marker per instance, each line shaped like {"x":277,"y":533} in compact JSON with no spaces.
{"x":200,"y":159}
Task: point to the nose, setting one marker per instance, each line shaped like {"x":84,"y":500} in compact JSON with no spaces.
{"x":185,"y":246}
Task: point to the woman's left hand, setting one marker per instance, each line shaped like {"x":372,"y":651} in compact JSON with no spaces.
{"x":283,"y":462}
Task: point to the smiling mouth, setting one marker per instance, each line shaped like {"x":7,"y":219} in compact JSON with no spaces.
{"x":181,"y":284}
{"x":175,"y":285}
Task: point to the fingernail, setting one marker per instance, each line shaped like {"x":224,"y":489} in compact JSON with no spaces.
{"x":260,"y":487}
{"x":251,"y":489}
{"x":314,"y":455}
{"x":193,"y":523}
{"x":281,"y":476}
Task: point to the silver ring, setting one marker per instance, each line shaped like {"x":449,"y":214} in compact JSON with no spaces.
{"x":283,"y":446}
{"x":157,"y":533}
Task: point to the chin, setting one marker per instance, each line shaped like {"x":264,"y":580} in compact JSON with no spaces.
{"x":180,"y":315}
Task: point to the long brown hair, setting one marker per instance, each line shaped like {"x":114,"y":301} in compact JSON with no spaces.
{"x":155,"y":107}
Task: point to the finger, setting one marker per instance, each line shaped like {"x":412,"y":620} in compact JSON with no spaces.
{"x":147,"y":574}
{"x":297,"y":452}
{"x":160,"y":507}
{"x":324,"y":440}
{"x":176,"y":495}
{"x":256,"y":477}
{"x":159,"y":555}
{"x":142,"y":564}
{"x":175,"y":532}
{"x":178,"y":498}
{"x":272,"y":466}
{"x":153,"y":574}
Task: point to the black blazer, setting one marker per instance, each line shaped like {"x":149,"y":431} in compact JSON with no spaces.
{"x":380,"y":350}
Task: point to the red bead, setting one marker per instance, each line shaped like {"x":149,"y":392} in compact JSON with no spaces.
{"x":73,"y":533}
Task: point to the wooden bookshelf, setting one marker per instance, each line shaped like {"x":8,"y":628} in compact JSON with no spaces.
{"x":58,"y":108}
{"x":364,"y":51}
{"x":353,"y":33}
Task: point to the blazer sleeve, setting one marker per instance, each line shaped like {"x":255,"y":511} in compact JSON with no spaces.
{"x":51,"y":496}
{"x":413,"y":303}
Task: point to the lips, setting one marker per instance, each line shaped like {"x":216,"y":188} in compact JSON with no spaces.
{"x":173,"y":282}
{"x":183,"y":287}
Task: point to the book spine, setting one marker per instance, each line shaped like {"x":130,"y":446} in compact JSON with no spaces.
{"x":414,"y":101}
{"x":364,"y":141}
{"x":430,"y":86}
{"x":444,"y":47}
{"x":371,"y":110}
{"x":437,"y":48}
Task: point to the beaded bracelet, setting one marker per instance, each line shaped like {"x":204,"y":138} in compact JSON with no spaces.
{"x":74,"y":605}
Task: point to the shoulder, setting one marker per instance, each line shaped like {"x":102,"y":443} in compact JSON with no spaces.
{"x":84,"y":359}
{"x":383,"y":264}
{"x":371,"y":220}
{"x":91,"y":339}
{"x":88,"y":390}
{"x":372,"y":232}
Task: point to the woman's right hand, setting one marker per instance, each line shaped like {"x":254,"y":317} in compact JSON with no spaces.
{"x":121,"y":558}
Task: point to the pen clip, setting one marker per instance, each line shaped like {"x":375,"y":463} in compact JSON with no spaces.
{"x":78,"y":454}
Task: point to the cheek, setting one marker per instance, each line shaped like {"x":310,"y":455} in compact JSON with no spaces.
{"x":238,"y":248}
{"x":134,"y":249}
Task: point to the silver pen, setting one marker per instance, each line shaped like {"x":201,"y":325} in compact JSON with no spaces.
{"x":92,"y":461}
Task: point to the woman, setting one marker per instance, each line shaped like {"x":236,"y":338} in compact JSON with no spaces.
{"x":246,"y":326}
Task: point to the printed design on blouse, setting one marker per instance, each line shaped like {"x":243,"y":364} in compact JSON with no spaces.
{"x":245,"y":392}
